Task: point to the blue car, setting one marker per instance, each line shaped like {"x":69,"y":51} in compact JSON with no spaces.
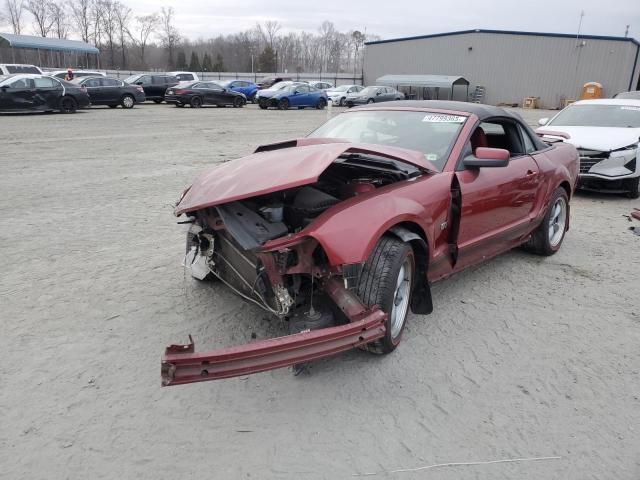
{"x":245,"y":87}
{"x":298,"y":95}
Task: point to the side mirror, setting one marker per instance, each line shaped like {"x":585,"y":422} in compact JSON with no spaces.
{"x":488,"y":157}
{"x":543,"y":121}
{"x":139,"y":83}
{"x":4,"y":88}
{"x":378,"y":94}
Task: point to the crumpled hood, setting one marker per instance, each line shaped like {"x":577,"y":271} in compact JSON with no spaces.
{"x":275,"y":168}
{"x":598,"y":138}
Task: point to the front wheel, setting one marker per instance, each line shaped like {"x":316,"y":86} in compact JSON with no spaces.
{"x":547,"y":238}
{"x":238,"y":102}
{"x":127,"y":101}
{"x":322,"y":103}
{"x":68,"y":105}
{"x":371,"y":100}
{"x":263,"y":104}
{"x":387,"y":280}
{"x":283,"y":104}
{"x":341,"y":104}
{"x":632,"y":185}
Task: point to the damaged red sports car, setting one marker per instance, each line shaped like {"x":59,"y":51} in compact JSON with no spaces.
{"x":342,"y":232}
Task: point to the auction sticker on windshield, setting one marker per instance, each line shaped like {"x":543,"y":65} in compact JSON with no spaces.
{"x":630,"y":108}
{"x":440,"y":118}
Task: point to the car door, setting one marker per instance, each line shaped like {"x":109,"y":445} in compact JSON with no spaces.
{"x":496,"y":203}
{"x":303,"y":96}
{"x":94,"y":90}
{"x":145,"y":82}
{"x":204,"y":89}
{"x":216,"y":94}
{"x":111,"y":90}
{"x":19,"y":94}
{"x":47,"y":93}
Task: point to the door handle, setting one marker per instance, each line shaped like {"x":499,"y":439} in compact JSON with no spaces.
{"x":531,"y":173}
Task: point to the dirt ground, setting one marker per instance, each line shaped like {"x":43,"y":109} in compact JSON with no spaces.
{"x":523,"y":357}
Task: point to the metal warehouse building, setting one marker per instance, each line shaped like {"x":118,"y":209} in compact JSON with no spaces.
{"x":512,"y":65}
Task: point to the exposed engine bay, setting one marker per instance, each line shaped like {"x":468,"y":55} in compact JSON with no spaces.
{"x":226,"y":241}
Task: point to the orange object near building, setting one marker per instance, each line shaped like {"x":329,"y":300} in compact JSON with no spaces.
{"x":591,"y":90}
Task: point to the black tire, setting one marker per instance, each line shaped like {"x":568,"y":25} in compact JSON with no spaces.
{"x":196,"y":102}
{"x":371,"y":100}
{"x":632,"y":185}
{"x":263,"y":104}
{"x":127,"y":101}
{"x":68,"y":104}
{"x":322,"y":103}
{"x":238,"y":102}
{"x":158,"y":100}
{"x":179,"y":105}
{"x":341,"y":103}
{"x":540,"y":243}
{"x":283,"y":104}
{"x":377,"y":286}
{"x":113,"y":106}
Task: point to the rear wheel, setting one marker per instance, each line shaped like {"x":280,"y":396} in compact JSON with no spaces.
{"x":238,"y":102}
{"x":632,"y":185}
{"x":127,"y":101}
{"x":196,"y":102}
{"x":263,"y":104}
{"x":370,"y":100}
{"x":341,"y":103}
{"x":68,"y":105}
{"x":322,"y":103}
{"x":547,"y":238}
{"x":387,"y":281}
{"x":283,"y":104}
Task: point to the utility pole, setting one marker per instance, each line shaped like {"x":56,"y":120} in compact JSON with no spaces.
{"x":626,"y":31}
{"x":579,"y":27}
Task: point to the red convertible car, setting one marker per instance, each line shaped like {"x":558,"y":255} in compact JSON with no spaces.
{"x":342,"y":232}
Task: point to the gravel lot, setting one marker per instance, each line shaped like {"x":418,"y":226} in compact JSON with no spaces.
{"x":523,"y":356}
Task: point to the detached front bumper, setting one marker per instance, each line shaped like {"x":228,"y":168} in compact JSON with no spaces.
{"x":180,"y":364}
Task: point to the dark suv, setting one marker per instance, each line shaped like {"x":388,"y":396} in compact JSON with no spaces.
{"x":154,"y":85}
{"x":270,"y":81}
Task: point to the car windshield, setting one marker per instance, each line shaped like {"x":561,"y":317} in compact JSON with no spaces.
{"x":433,"y":134}
{"x":4,"y":78}
{"x":23,"y":69}
{"x":279,"y":86}
{"x":225,"y":83}
{"x":617,"y":116}
{"x":341,"y":88}
{"x":368,"y":91}
{"x":629,"y":95}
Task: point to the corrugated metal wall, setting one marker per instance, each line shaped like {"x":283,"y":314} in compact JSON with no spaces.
{"x":510,"y":66}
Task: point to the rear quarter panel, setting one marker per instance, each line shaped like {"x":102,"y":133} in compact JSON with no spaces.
{"x":558,"y":164}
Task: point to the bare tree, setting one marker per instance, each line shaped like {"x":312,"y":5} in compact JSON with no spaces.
{"x":96,"y":8}
{"x":41,"y":12}
{"x":123,"y":15}
{"x":269,"y":31}
{"x":169,"y":35}
{"x":14,"y":13}
{"x":81,"y":13}
{"x":109,"y":21}
{"x":59,"y":18}
{"x":146,"y":25}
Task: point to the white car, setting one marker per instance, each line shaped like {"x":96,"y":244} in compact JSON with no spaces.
{"x":338,"y":95}
{"x":321,"y":84}
{"x":14,"y":68}
{"x":185,"y":76}
{"x":606,"y":134}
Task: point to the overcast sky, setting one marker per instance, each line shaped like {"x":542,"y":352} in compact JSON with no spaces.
{"x":389,"y":19}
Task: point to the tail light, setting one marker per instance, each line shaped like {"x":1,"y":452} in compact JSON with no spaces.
{"x":139,"y":88}
{"x":180,"y":91}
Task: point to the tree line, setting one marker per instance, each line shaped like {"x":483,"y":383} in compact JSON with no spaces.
{"x":143,"y":42}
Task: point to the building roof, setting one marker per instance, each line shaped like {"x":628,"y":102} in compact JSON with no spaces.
{"x":508,"y":32}
{"x":435,"y":81}
{"x":42,"y":43}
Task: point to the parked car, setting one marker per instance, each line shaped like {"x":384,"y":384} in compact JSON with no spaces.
{"x":154,"y":85}
{"x":13,"y":68}
{"x":185,"y":76}
{"x":273,"y":89}
{"x":295,"y":95}
{"x":633,"y":95}
{"x":341,"y":238}
{"x":76,"y":73}
{"x":111,"y":91}
{"x":606,"y":134}
{"x":248,"y":89}
{"x":338,"y":95}
{"x":198,"y":94}
{"x":41,"y":93}
{"x":374,"y":94}
{"x":268,"y":82}
{"x":321,"y":85}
